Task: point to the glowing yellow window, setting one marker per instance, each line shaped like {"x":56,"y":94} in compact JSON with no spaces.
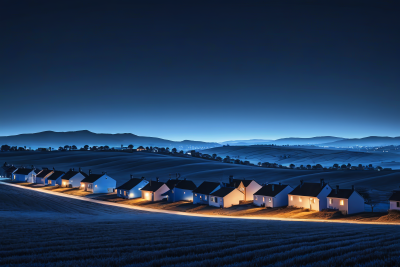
{"x":330,"y":201}
{"x":300,"y":199}
{"x":341,"y":202}
{"x":291,"y":198}
{"x":95,"y":185}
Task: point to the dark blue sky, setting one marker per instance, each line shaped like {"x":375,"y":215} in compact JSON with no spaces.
{"x":201,"y":70}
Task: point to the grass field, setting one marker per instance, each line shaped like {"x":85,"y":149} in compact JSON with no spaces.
{"x":43,"y":230}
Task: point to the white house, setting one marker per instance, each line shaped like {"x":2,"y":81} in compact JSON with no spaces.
{"x":24,"y":175}
{"x":201,"y":195}
{"x":183,"y":190}
{"x":394,"y":201}
{"x":98,"y":183}
{"x":73,"y":178}
{"x":43,"y":175}
{"x":310,"y":195}
{"x":154,"y":190}
{"x":131,"y":189}
{"x":347,"y":201}
{"x":226,"y":197}
{"x":55,"y":178}
{"x":248,"y":187}
{"x":272,"y":195}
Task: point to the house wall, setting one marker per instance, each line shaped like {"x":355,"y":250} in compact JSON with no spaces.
{"x":134,"y":192}
{"x":200,"y":198}
{"x":233,"y":198}
{"x":182,"y":194}
{"x":105,"y":184}
{"x":305,"y":202}
{"x":147,"y":195}
{"x":75,"y":181}
{"x":322,"y":197}
{"x":260,"y":200}
{"x":55,"y":182}
{"x":19,"y":178}
{"x":32,"y":177}
{"x":280,"y":200}
{"x":356,"y":203}
{"x":334,"y":203}
{"x":393,"y":205}
{"x":157,"y":196}
{"x":219,"y":203}
{"x":251,"y":189}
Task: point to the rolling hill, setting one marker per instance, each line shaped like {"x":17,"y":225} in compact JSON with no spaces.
{"x":81,"y":138}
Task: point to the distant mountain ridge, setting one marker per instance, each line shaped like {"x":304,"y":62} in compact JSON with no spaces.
{"x":371,"y":141}
{"x":84,"y":137}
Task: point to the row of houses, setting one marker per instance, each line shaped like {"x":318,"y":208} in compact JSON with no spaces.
{"x":313,"y":196}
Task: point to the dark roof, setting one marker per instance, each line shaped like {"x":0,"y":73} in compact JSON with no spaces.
{"x":341,"y":193}
{"x":43,"y":173}
{"x":130,"y":184}
{"x":266,"y":190}
{"x":171,"y":183}
{"x":236,"y":182}
{"x":186,"y":184}
{"x":69,"y":174}
{"x":152,"y":186}
{"x":92,"y":178}
{"x":56,"y":175}
{"x":206,"y":188}
{"x":308,"y":189}
{"x":23,"y":171}
{"x":395,"y":196}
{"x":11,"y":169}
{"x":224,"y":191}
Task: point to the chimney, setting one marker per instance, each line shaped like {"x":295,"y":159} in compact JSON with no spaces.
{"x":273,"y":188}
{"x":131,"y":176}
{"x":230,"y":178}
{"x":322,"y":182}
{"x":158,"y":179}
{"x":352,"y":188}
{"x":280,"y":183}
{"x":301,"y":183}
{"x":150,"y":182}
{"x":142,"y":178}
{"x":73,"y":169}
{"x":80,"y":169}
{"x":337,"y":189}
{"x":54,"y":169}
{"x":90,"y":172}
{"x":105,"y":172}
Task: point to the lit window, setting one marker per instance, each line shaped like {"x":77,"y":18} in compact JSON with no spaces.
{"x":264,"y":199}
{"x":341,"y":202}
{"x":184,"y":192}
{"x":300,"y":199}
{"x":95,"y":185}
{"x":14,"y":177}
{"x":330,"y":201}
{"x":256,"y":197}
{"x":195,"y":195}
{"x":291,"y":198}
{"x":270,"y":199}
{"x":200,"y":196}
{"x":172,"y":191}
{"x":205,"y":197}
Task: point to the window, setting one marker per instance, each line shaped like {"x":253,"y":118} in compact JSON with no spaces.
{"x":124,"y":192}
{"x":312,"y":200}
{"x":212,"y":199}
{"x":195,"y":195}
{"x":398,"y":204}
{"x":120,"y":192}
{"x":270,"y":199}
{"x":330,"y":201}
{"x":205,"y":197}
{"x":341,"y":202}
{"x":172,"y":191}
{"x":200,"y":196}
{"x":256,"y":198}
{"x":14,"y":177}
{"x":49,"y":182}
{"x":291,"y":198}
{"x":263,"y":199}
{"x":300,"y":200}
{"x":184,"y":192}
{"x":95,"y":185}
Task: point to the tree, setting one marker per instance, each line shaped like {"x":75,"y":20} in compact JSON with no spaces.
{"x":60,"y":148}
{"x":101,"y":147}
{"x":343,"y":167}
{"x":21,"y":148}
{"x":73,"y":147}
{"x":336,"y":166}
{"x":130,"y":146}
{"x":5,"y":148}
{"x":348,"y":165}
{"x":214,"y":156}
{"x":292,"y":166}
{"x":86,"y":147}
{"x":318,"y":166}
{"x":218,"y":158}
{"x":106,"y":147}
{"x":181,"y":152}
{"x":66,"y":147}
{"x":174,"y":150}
{"x":308,"y":166}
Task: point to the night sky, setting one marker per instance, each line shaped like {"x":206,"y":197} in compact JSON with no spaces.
{"x":212,"y":71}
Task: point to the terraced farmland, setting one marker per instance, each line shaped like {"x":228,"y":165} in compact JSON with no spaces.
{"x":38,"y":229}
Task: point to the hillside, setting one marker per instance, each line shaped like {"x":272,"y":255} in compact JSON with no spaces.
{"x":81,"y":138}
{"x":303,"y":156}
{"x":371,"y":141}
{"x":120,"y":165}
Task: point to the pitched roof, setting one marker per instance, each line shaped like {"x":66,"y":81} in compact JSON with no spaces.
{"x":224,"y":191}
{"x":308,"y":189}
{"x":206,"y":188}
{"x":341,"y":193}
{"x":395,"y":196}
{"x":152,"y":186}
{"x":171,"y":183}
{"x":92,"y":178}
{"x":69,"y":174}
{"x":130,"y":184}
{"x":11,"y":169}
{"x":186,"y":184}
{"x":56,"y":175}
{"x":23,"y":171}
{"x":43,"y":173}
{"x":270,"y":190}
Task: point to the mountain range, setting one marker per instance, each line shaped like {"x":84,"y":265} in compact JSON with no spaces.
{"x":81,"y":138}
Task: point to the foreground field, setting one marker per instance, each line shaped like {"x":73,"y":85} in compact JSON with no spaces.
{"x":149,"y":165}
{"x":44,"y":230}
